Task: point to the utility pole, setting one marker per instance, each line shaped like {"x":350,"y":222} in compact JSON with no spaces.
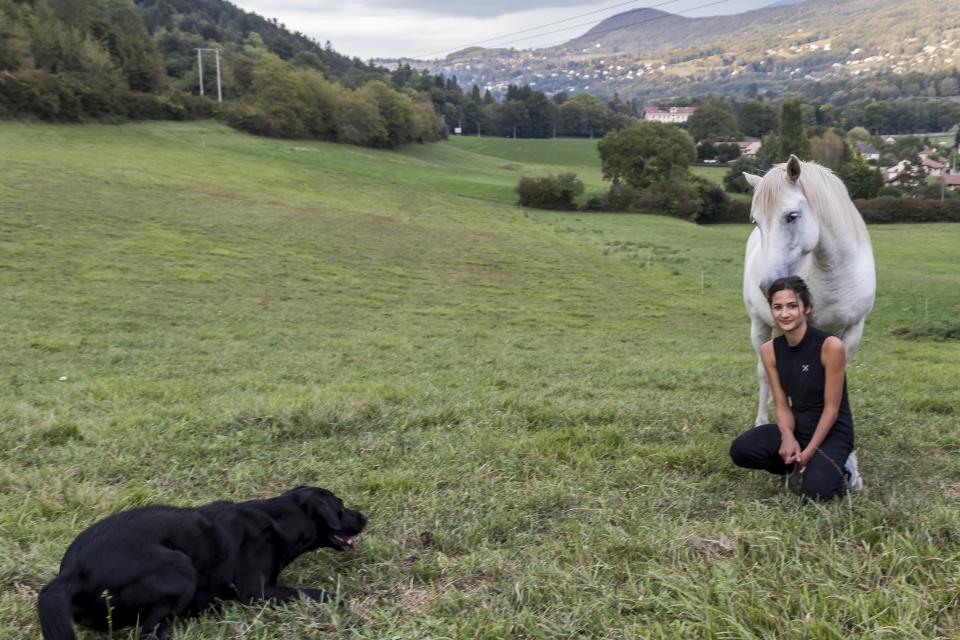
{"x":945,"y":173}
{"x":200,"y":72}
{"x":200,"y":68}
{"x":514,"y":132}
{"x":219,"y":87}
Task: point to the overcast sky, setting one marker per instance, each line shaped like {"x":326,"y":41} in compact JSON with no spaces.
{"x":434,"y":28}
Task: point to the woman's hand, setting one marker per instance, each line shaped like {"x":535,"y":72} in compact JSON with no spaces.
{"x":789,"y":449}
{"x":805,"y":457}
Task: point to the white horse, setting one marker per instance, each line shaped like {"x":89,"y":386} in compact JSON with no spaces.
{"x":807,"y":226}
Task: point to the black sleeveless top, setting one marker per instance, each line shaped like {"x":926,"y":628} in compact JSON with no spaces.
{"x":803,"y":379}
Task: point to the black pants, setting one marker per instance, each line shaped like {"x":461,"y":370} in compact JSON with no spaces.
{"x":824,"y":477}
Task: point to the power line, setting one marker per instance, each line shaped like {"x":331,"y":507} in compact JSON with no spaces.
{"x":543,"y":26}
{"x":639,"y":22}
{"x":584,"y":24}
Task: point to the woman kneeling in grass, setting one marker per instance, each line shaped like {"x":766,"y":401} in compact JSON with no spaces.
{"x":813,"y":438}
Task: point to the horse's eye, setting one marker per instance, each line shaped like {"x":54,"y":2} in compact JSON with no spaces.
{"x":792,"y":216}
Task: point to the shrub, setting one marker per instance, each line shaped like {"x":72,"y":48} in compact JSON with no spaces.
{"x":624,"y":197}
{"x":733,"y":180}
{"x":728,"y":151}
{"x":886,"y":209}
{"x":250,"y":119}
{"x":75,"y":97}
{"x":713,"y":203}
{"x":697,"y":200}
{"x":359,"y":121}
{"x":552,"y":192}
{"x":676,"y":197}
{"x":733,"y":212}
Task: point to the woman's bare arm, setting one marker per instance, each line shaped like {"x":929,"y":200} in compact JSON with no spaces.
{"x":834,"y":360}
{"x":789,"y":448}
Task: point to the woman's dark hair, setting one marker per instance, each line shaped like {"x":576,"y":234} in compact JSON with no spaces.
{"x":791,"y":283}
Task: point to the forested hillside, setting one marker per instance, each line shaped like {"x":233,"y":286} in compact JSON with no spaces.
{"x":80,"y":60}
{"x":179,"y":27}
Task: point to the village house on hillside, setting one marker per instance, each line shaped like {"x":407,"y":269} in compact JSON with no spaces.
{"x":868,"y":151}
{"x":749,"y":147}
{"x":891,"y":175}
{"x":668,"y":114}
{"x":933,"y":167}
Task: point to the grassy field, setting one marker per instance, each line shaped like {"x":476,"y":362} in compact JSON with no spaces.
{"x":541,"y":157}
{"x":533,"y":408}
{"x":578,"y":153}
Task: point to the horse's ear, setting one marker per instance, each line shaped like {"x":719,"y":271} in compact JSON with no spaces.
{"x":751,"y":179}
{"x":793,"y":168}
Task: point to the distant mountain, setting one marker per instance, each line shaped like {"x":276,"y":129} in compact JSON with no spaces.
{"x":647,"y":53}
{"x":649,"y":30}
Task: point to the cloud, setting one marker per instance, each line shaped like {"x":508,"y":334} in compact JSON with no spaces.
{"x":368,"y":31}
{"x":485,"y":9}
{"x":432,"y":29}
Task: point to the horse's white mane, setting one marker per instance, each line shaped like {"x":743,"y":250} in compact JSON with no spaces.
{"x":825,"y":193}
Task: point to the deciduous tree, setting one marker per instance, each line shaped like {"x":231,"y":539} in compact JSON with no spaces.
{"x":645,"y":153}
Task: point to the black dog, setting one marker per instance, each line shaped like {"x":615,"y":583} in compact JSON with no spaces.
{"x":147,"y":565}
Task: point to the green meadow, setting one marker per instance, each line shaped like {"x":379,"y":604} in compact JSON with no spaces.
{"x":533,"y":408}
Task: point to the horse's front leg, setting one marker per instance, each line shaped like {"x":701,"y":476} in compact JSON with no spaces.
{"x":759,"y":334}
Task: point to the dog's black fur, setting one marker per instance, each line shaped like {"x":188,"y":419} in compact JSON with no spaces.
{"x":148,"y":565}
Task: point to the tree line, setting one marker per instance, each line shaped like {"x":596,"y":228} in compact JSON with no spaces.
{"x":819,"y":132}
{"x":647,"y":164}
{"x":523,"y":112}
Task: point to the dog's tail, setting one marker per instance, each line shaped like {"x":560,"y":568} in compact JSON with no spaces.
{"x":54,"y":607}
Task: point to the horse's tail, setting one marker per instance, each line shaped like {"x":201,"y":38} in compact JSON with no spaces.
{"x":54,"y":608}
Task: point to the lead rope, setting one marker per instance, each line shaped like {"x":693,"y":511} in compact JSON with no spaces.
{"x":843,"y":476}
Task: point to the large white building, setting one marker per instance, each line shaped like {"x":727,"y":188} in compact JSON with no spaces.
{"x":668,"y":114}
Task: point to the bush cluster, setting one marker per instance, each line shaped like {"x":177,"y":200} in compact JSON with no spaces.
{"x":74,"y":97}
{"x":888,"y":209}
{"x":694,"y":199}
{"x":287,"y":102}
{"x":557,"y":192}
{"x":882,"y":210}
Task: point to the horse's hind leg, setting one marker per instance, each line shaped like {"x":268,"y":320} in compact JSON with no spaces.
{"x":762,"y":409}
{"x":760,"y":333}
{"x":851,"y":339}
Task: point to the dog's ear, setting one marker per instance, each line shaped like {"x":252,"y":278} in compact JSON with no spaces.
{"x":320,"y":505}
